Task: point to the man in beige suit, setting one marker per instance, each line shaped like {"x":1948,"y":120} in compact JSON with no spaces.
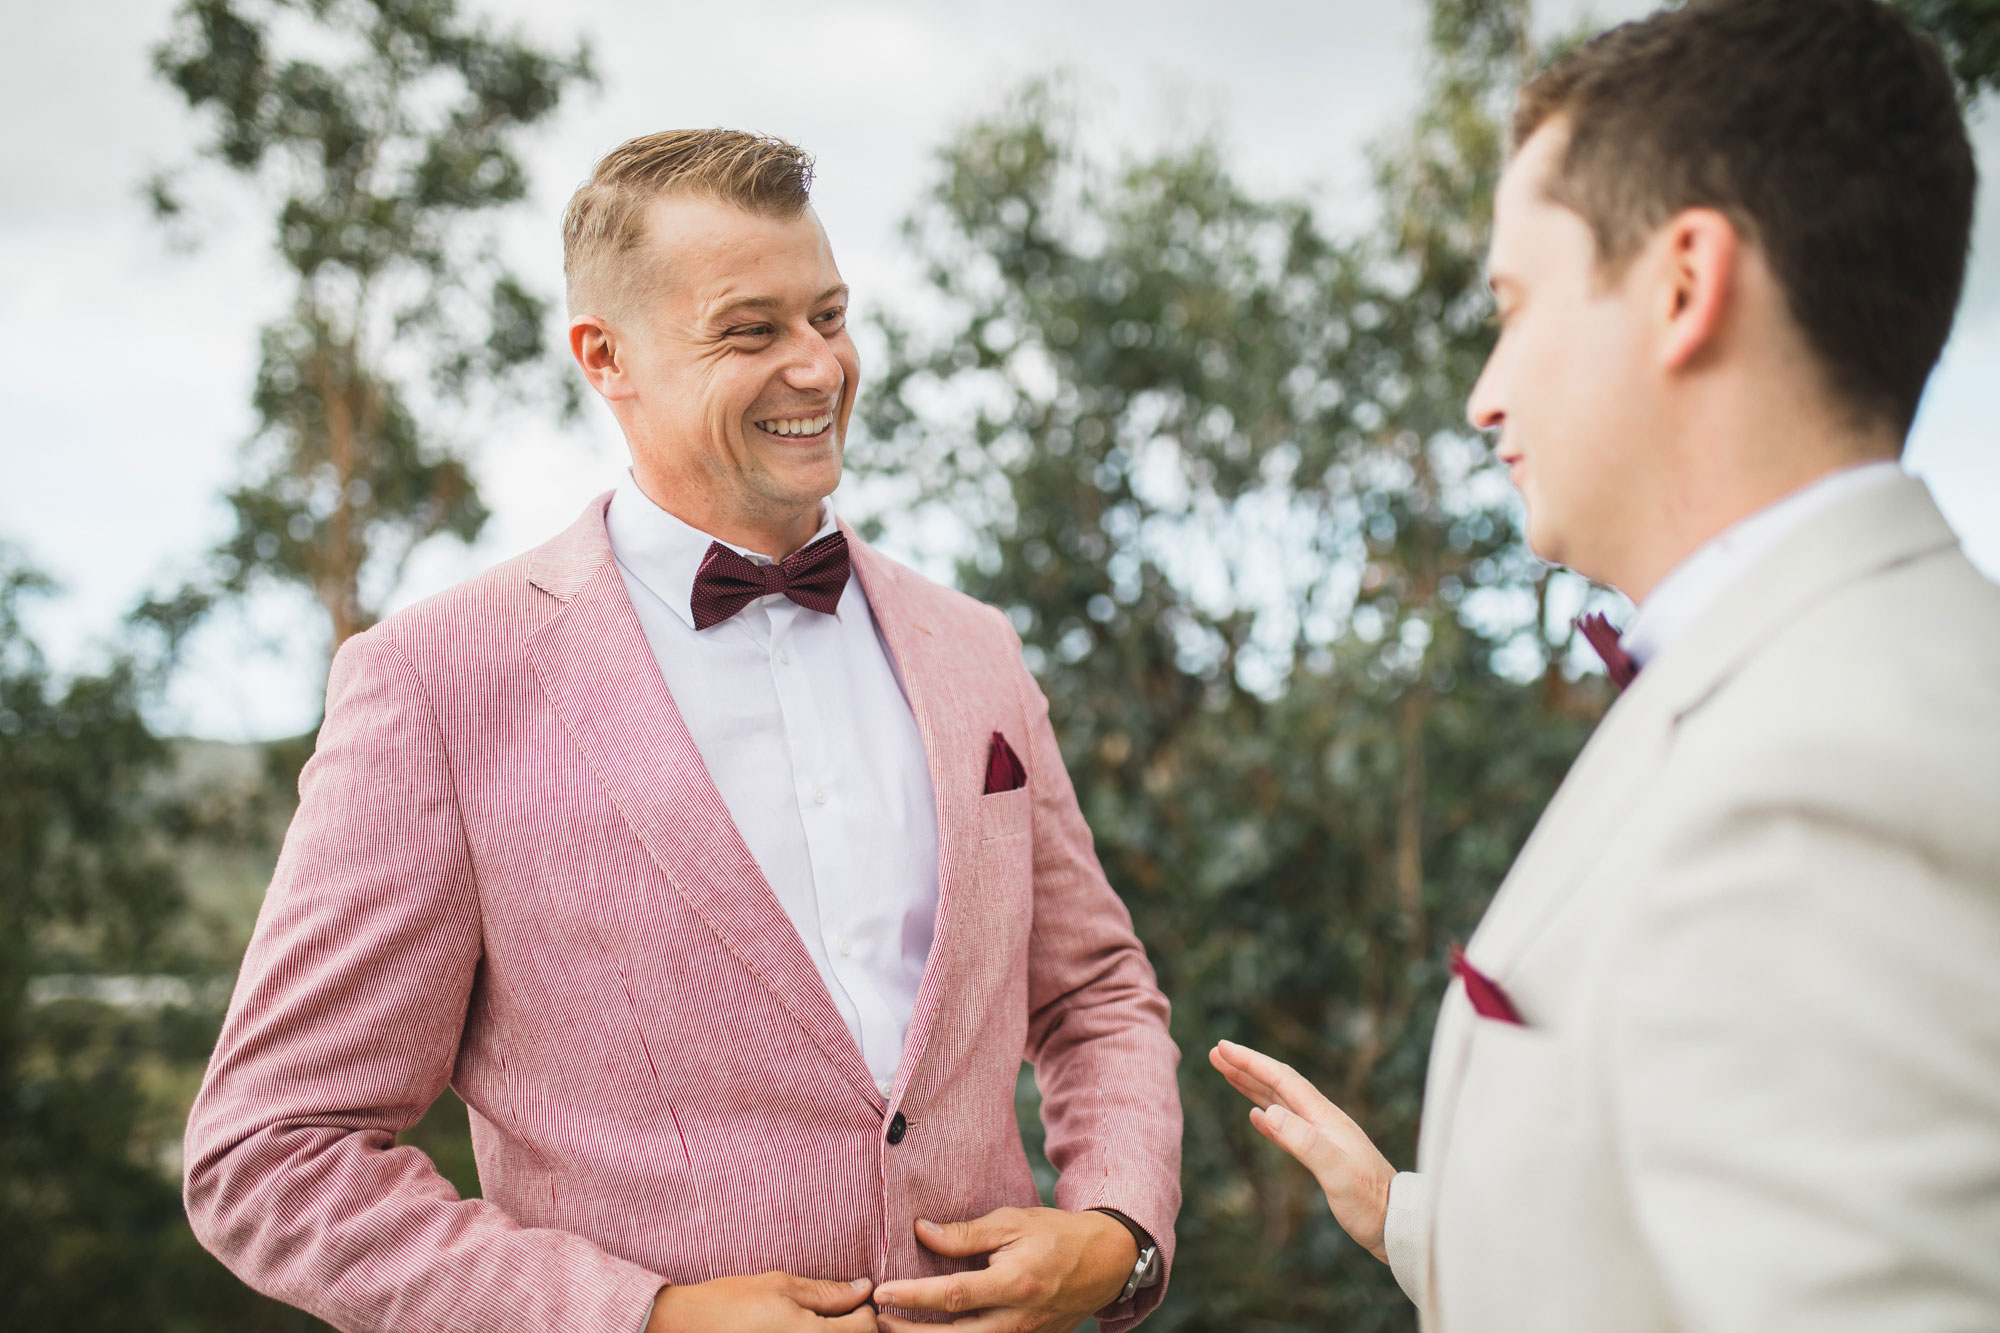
{"x":1725,"y":1052}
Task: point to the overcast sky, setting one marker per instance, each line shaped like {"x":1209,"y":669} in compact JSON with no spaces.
{"x":125,"y":365}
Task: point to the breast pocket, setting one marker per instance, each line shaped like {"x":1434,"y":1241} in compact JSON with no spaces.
{"x":1006,"y":861}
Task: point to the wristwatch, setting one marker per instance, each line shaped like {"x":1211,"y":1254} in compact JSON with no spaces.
{"x":1145,"y":1272}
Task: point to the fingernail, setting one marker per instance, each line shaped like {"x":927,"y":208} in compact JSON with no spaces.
{"x":858,"y":1283}
{"x":1277,"y":1116}
{"x":1228,"y":1045}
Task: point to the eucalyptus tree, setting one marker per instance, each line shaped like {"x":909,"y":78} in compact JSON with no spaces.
{"x":383,"y":135}
{"x":1214,"y":464}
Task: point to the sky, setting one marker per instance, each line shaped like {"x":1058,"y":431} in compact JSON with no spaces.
{"x":126,"y":359}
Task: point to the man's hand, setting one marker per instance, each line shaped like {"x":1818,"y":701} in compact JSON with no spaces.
{"x":767,"y":1303}
{"x":1292,"y":1114}
{"x":1047,"y":1271}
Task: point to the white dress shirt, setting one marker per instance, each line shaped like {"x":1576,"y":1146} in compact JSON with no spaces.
{"x":802,"y":722}
{"x":1698,"y":580}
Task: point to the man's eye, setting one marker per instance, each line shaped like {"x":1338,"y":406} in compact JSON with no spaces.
{"x":832,"y":319}
{"x":751,"y":331}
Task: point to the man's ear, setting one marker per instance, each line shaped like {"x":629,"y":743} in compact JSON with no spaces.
{"x":1698,"y":252}
{"x":596,"y":347}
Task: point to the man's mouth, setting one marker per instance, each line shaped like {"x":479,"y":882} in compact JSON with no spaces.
{"x":797,"y":427}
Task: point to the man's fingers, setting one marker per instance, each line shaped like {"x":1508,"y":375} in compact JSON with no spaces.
{"x":825,"y":1296}
{"x":1287,"y":1085}
{"x":963,"y":1240}
{"x":863,"y":1320}
{"x":954,"y":1293}
{"x":1255,"y":1089}
{"x":993,"y":1321}
{"x":1297,"y":1136}
{"x":1292,"y":1087}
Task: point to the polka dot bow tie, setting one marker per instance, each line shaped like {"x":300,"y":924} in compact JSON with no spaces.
{"x":814,"y":576}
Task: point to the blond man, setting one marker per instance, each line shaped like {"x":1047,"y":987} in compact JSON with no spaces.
{"x":726,"y":869}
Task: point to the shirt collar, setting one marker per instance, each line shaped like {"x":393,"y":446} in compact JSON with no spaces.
{"x":1698,"y":580}
{"x":663,"y":552}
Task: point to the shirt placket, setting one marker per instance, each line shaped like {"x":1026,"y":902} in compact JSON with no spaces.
{"x":819,"y":790}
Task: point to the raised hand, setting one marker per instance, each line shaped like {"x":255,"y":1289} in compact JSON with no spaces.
{"x":765,"y":1303}
{"x":1047,"y":1271}
{"x":1291,"y":1113}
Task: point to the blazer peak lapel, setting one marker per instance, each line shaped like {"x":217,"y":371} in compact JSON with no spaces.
{"x":598,"y":671}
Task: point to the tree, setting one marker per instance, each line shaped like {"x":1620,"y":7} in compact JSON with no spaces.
{"x":103,"y":1020}
{"x":384,"y":133}
{"x":1969,"y":33}
{"x":1299,"y":659}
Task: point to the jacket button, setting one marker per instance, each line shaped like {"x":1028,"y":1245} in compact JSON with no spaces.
{"x":898,"y":1127}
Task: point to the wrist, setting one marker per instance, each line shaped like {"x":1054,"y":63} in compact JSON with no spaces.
{"x":662,"y":1319}
{"x":1141,"y":1258}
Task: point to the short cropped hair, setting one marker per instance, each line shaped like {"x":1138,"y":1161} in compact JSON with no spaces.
{"x":606,"y":218}
{"x":1827,"y":131}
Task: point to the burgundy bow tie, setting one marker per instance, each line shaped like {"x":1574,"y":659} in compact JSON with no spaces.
{"x":1601,"y":636}
{"x":814,"y":576}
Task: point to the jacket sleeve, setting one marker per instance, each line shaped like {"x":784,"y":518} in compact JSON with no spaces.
{"x":1406,"y":1235}
{"x":1804,"y":1073}
{"x":1097,"y":1025}
{"x":344,"y":1027}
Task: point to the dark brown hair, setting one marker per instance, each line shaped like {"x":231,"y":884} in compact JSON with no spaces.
{"x":1827,"y":131}
{"x":605,"y":220}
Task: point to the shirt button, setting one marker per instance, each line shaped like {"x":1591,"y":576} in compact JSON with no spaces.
{"x":898,"y":1127}
{"x":785,"y":656}
{"x":846,"y":946}
{"x":819,"y":796}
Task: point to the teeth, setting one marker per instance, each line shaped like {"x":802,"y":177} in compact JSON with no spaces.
{"x":797,"y":425}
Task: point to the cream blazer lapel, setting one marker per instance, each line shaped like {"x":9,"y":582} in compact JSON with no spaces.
{"x":598,"y":671}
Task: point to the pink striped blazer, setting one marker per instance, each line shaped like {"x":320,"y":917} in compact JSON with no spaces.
{"x":510,"y":873}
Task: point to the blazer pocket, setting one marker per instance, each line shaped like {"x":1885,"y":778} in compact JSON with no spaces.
{"x":1005,"y":813}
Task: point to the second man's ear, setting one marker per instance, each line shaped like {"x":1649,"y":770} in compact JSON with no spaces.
{"x":1698,"y":259}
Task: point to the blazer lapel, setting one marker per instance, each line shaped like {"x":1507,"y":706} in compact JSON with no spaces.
{"x":598,"y":671}
{"x":956,"y":762}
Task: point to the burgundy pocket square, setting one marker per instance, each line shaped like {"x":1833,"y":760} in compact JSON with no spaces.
{"x":1004,"y":770}
{"x":1488,"y":1000}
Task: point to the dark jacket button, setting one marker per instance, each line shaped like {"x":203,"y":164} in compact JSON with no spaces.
{"x":898,"y":1127}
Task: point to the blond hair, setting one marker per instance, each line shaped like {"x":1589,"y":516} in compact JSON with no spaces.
{"x":606,"y":218}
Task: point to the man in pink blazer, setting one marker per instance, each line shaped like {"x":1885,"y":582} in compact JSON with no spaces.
{"x":725,"y":868}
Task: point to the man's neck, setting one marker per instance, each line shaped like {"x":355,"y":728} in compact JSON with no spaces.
{"x":772,"y":534}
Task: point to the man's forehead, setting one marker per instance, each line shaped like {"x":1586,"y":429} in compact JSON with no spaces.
{"x":1521,"y":200}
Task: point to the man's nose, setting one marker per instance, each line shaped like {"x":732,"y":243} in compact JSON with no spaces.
{"x":1483,"y":408}
{"x":813,"y":364}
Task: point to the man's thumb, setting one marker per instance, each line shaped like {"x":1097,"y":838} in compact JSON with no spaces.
{"x":825,"y":1296}
{"x":1295,"y":1134}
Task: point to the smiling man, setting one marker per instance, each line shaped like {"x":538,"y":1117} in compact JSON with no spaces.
{"x":727,"y":869}
{"x":1724,"y":1054}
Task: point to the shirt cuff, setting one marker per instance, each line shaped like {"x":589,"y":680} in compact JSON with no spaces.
{"x":1406,"y":1235}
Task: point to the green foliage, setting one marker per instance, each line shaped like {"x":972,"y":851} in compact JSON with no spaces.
{"x":1969,"y":33}
{"x":94,"y":1073}
{"x":383,"y":133}
{"x":1274,"y":590}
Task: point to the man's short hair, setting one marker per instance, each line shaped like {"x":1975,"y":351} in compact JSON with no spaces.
{"x":1827,"y":131}
{"x":606,"y":218}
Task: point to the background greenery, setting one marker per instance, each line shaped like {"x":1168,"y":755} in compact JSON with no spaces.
{"x":1312,"y":689}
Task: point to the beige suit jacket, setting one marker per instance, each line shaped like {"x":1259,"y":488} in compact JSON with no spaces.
{"x":1756,"y":943}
